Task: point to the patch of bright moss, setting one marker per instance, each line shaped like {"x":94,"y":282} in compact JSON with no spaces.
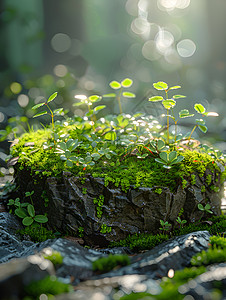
{"x":139,"y":242}
{"x":106,"y":264}
{"x":119,"y":170}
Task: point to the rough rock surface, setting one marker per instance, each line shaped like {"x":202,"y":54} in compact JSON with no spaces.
{"x":141,"y":275}
{"x":123,"y":213}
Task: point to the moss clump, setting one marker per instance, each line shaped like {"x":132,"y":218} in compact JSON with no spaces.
{"x":141,"y":241}
{"x":37,"y":234}
{"x":55,"y":257}
{"x":106,"y":264}
{"x":50,"y":285}
{"x":218,"y":242}
{"x":110,"y":160}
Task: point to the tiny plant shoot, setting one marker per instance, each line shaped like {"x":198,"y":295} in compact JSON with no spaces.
{"x":51,"y":112}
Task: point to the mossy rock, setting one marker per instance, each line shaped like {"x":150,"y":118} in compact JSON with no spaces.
{"x":117,"y":213}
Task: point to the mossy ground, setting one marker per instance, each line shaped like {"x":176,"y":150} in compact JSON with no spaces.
{"x":122,"y":169}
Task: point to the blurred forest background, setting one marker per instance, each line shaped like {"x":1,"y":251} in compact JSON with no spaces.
{"x":79,"y":46}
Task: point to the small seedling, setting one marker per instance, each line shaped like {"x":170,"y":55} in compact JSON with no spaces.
{"x":165,"y":225}
{"x":181,"y":222}
{"x":169,"y":159}
{"x":126,"y":83}
{"x":51,"y":112}
{"x":204,"y":209}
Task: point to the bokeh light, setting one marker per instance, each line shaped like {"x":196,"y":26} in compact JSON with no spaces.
{"x":23,"y":100}
{"x":2,"y":117}
{"x":16,"y":87}
{"x":61,"y":42}
{"x":186,"y":48}
{"x":60,"y":70}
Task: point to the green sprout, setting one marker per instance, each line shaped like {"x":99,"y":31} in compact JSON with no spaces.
{"x":52,"y":113}
{"x":165,"y":225}
{"x":169,"y":159}
{"x":168,"y":103}
{"x":126,"y":83}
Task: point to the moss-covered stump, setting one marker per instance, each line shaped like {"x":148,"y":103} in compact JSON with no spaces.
{"x":86,"y":206}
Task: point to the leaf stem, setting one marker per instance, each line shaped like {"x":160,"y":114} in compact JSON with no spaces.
{"x":119,"y":100}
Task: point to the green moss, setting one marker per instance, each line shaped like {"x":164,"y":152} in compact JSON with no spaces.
{"x":211,"y":256}
{"x":106,"y":264}
{"x":37,"y":233}
{"x":55,"y":257}
{"x":50,"y":285}
{"x":218,"y":242}
{"x":118,"y":169}
{"x":141,"y":241}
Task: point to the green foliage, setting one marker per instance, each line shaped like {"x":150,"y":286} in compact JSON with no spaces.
{"x":50,"y":285}
{"x":206,"y":208}
{"x":105,"y":229}
{"x":165,"y":225}
{"x":81,"y":231}
{"x":180,"y":221}
{"x":54,"y":256}
{"x":138,"y":242}
{"x":193,"y":179}
{"x":158,"y":191}
{"x":211,"y":256}
{"x":169,"y":159}
{"x":37,"y":233}
{"x":208,"y":179}
{"x":218,"y":242}
{"x":26,"y":211}
{"x":99,"y":203}
{"x":106,"y":264}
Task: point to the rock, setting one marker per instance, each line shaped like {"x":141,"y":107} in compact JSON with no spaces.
{"x":173,"y":254}
{"x":112,"y":288}
{"x":18,"y":273}
{"x":11,"y":245}
{"x":207,"y":286}
{"x":122,"y":213}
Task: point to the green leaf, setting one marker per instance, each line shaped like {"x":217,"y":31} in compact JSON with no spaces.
{"x":69,"y":163}
{"x":172,"y":155}
{"x":203,"y":128}
{"x":73,"y":158}
{"x":115,"y":85}
{"x":52,"y":97}
{"x":199,"y":108}
{"x":27,"y":221}
{"x":160,"y":85}
{"x":63,"y":146}
{"x":169,"y":103}
{"x":99,"y":107}
{"x":38,"y":105}
{"x":94,"y":98}
{"x":128,"y":95}
{"x":90,"y":113}
{"x":31,"y":210}
{"x":96,"y":156}
{"x":58,"y":111}
{"x":164,"y":156}
{"x":21,"y":212}
{"x":156,"y":98}
{"x":110,"y":136}
{"x":111,"y":95}
{"x":200,"y":207}
{"x":40,"y":114}
{"x":185,"y":114}
{"x":127,"y":82}
{"x":207,"y":206}
{"x":11,"y":202}
{"x":177,"y":160}
{"x":175,"y":87}
{"x":160,"y":144}
{"x":41,"y":219}
{"x":178,"y":96}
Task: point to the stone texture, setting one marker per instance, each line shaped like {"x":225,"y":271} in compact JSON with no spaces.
{"x":138,"y":210}
{"x":207,"y":286}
